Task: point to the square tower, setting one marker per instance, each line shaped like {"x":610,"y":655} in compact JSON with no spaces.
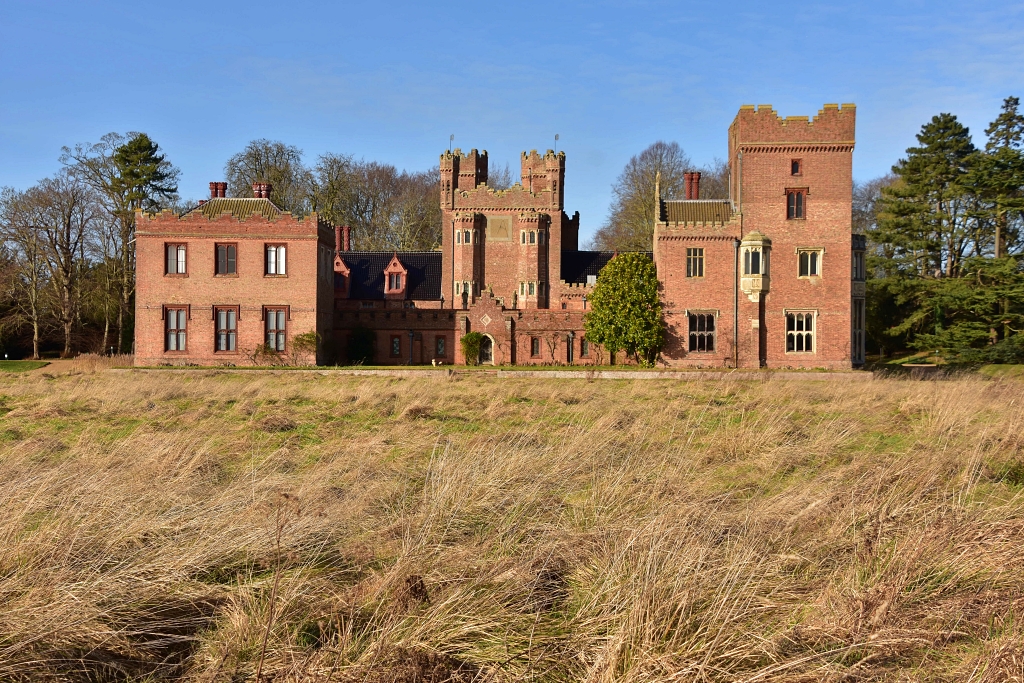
{"x":792,"y":184}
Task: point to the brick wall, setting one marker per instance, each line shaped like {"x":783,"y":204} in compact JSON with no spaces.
{"x":305,"y":291}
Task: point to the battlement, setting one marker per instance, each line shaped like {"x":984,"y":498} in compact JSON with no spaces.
{"x":761,"y":124}
{"x":462,"y":171}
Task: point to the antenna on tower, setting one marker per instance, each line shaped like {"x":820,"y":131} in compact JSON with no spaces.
{"x":451,"y":140}
{"x":556,"y":143}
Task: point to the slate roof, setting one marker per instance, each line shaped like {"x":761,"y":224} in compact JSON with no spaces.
{"x":577,"y":265}
{"x":696,"y":211}
{"x":367,"y":273}
{"x":240,"y":208}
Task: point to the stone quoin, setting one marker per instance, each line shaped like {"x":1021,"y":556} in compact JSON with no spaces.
{"x":770,"y":276}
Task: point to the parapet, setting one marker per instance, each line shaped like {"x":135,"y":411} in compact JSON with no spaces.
{"x":834,"y":124}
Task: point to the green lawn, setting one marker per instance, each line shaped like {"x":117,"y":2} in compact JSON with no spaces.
{"x":1016,"y":371}
{"x":21,"y":365}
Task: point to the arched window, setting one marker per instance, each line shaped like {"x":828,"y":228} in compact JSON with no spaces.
{"x":533,"y":237}
{"x":458,"y":237}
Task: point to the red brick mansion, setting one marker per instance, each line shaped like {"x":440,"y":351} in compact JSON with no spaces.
{"x":770,"y":277}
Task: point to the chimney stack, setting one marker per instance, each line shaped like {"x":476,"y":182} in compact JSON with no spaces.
{"x":696,"y":185}
{"x":257,"y":190}
{"x":348,"y":237}
{"x":337,"y":239}
{"x":222,"y":190}
{"x":214,"y":187}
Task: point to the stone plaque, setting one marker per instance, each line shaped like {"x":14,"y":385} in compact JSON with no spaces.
{"x":499,"y":228}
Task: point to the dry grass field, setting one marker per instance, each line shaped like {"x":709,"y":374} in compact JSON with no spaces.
{"x":216,"y":526}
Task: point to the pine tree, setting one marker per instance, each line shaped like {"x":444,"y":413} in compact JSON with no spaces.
{"x":926,"y":215}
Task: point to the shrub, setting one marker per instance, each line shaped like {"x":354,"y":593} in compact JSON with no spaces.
{"x":471,"y":347}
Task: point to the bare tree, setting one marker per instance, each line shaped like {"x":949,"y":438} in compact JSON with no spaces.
{"x":128,"y":173}
{"x":630,"y":225}
{"x":500,"y":177}
{"x":275,"y":163}
{"x":64,"y":210}
{"x":21,"y":236}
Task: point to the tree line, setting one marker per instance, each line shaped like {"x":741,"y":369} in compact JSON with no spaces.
{"x":945,"y":243}
{"x":67,"y":243}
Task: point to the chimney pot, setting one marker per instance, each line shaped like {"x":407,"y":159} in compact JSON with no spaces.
{"x":267,"y":189}
{"x":213,"y":190}
{"x":257,"y":190}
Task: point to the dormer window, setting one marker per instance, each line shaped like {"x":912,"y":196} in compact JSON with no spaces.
{"x":394,"y":281}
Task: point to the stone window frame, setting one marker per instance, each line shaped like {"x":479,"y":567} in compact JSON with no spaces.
{"x":535,"y":348}
{"x":180,"y":259}
{"x":695,"y":336}
{"x":395,"y":282}
{"x":395,"y":346}
{"x":183,"y":313}
{"x":806,"y":257}
{"x":796,"y":203}
{"x":217,"y":309}
{"x":227,"y":259}
{"x":695,"y":262}
{"x":278,"y":261}
{"x":800,"y":337}
{"x":748,"y":260}
{"x":278,"y":332}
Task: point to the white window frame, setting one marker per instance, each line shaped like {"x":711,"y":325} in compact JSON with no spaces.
{"x":277,"y":259}
{"x":801,"y":334}
{"x":179,"y":260}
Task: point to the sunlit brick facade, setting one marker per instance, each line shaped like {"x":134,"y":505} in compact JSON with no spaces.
{"x":767,"y":277}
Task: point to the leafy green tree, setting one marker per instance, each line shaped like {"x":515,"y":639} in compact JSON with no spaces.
{"x":625,"y":309}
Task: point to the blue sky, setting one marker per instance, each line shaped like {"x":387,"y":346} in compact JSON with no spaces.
{"x":391,"y":81}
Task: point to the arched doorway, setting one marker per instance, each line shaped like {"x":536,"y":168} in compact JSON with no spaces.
{"x":486,"y":350}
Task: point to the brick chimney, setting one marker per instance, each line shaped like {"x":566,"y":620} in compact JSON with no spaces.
{"x":267,"y":189}
{"x":695,"y":189}
{"x":337,"y":239}
{"x":348,"y":237}
{"x":214,"y":187}
{"x":222,"y":189}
